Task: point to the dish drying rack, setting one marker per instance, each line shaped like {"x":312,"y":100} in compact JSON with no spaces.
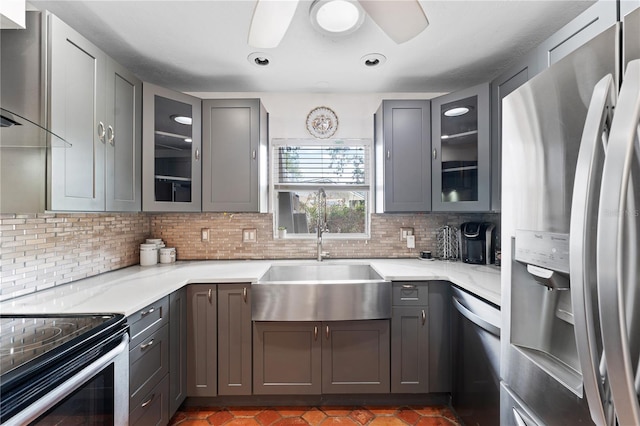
{"x":448,"y":243}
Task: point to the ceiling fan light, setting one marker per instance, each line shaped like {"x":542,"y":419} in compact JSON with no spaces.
{"x":400,"y":20}
{"x":336,"y":16}
{"x":270,"y":21}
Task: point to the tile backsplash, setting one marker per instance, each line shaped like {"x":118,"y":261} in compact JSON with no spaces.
{"x":43,"y":250}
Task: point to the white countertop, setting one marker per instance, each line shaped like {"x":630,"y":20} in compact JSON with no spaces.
{"x":130,"y":289}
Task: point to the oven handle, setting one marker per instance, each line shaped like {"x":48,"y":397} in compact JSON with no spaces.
{"x":49,"y":400}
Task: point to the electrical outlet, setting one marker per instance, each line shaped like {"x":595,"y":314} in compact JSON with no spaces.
{"x":411,"y":241}
{"x":405,"y":232}
{"x":249,"y":235}
{"x":204,"y":234}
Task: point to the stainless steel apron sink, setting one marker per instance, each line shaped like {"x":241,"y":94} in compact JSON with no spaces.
{"x":321,"y":292}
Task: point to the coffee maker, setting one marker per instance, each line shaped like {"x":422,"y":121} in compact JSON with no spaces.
{"x":477,"y":242}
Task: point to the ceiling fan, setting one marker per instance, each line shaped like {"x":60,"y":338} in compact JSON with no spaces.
{"x":401,"y":20}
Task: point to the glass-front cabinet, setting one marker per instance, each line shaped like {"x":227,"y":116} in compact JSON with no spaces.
{"x":171,"y":151}
{"x":461,"y":151}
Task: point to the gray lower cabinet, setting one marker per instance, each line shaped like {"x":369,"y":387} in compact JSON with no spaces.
{"x":202,"y":329}
{"x":403,"y":137}
{"x":287,"y":358}
{"x":321,"y":357}
{"x":439,"y":322}
{"x":355,"y":357}
{"x":177,"y":349}
{"x":234,"y":339}
{"x":149,"y":364}
{"x":410,"y":338}
{"x":234,"y":151}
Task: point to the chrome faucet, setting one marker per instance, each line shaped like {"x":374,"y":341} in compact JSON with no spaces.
{"x":321,"y":223}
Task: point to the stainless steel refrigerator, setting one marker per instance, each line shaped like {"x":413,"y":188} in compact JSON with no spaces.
{"x":570,"y":344}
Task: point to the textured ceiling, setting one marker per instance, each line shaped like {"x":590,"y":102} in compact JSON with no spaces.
{"x":201,"y":46}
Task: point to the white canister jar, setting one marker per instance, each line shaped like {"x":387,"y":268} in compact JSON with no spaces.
{"x":148,"y":254}
{"x":167,"y":255}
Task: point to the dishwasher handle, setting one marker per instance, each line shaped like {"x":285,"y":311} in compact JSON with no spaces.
{"x":476,"y":319}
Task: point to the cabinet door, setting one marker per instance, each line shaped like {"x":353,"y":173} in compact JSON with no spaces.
{"x":576,"y":33}
{"x":177,"y":349}
{"x":123,"y":139}
{"x":461,"y":157}
{"x":403,"y":146}
{"x":506,"y":83}
{"x":77,"y":113}
{"x":171,"y":162}
{"x":202,"y":361}
{"x":232,"y":155}
{"x":409,"y":350}
{"x":355,"y":357}
{"x":287,"y":358}
{"x":234,"y":339}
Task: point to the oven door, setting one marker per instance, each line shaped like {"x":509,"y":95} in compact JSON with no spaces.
{"x":96,"y":394}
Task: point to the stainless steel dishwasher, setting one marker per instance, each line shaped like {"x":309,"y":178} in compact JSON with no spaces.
{"x":476,"y":357}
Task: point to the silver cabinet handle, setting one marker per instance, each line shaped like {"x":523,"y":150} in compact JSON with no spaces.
{"x":145,"y":313}
{"x":148,"y":401}
{"x":111,"y":135}
{"x":315,"y":332}
{"x":434,"y":154}
{"x":146,"y":345}
{"x":388,"y":154}
{"x":408,"y":286}
{"x":101,"y":131}
{"x":244,"y":294}
{"x":327,"y":332}
{"x":253,"y":154}
{"x":424,"y":317}
{"x":197,"y":154}
{"x":210,"y":295}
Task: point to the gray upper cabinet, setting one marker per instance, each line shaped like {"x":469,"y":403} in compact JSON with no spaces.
{"x":461,"y":150}
{"x":576,"y":33}
{"x":234,"y":339}
{"x":177,"y":349}
{"x":171,"y":157}
{"x":77,"y":113}
{"x":202,"y":364}
{"x":123,"y":136}
{"x":403,"y":147}
{"x":504,"y":84}
{"x":234,"y":155}
{"x":630,"y":14}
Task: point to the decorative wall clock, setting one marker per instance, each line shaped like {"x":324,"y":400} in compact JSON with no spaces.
{"x":322,"y":122}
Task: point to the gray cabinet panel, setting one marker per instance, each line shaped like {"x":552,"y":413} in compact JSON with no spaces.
{"x":172,"y":152}
{"x":630,"y":13}
{"x":409,"y":350}
{"x":287,"y":358}
{"x":148,"y":319}
{"x":576,"y":33}
{"x":202,"y":328}
{"x":77,"y":104}
{"x":153,"y":410}
{"x":506,"y":83}
{"x":461,"y":158}
{"x":439,"y":320}
{"x":177,"y":349}
{"x":123,"y":139}
{"x":232,"y":138}
{"x":403,"y":146}
{"x":355,"y":357}
{"x":234,"y":339}
{"x":148,"y":364}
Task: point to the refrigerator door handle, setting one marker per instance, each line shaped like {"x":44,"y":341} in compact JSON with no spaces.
{"x":617,"y":249}
{"x":582,"y":251}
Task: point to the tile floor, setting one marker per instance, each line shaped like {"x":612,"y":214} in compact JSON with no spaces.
{"x":316,"y":416}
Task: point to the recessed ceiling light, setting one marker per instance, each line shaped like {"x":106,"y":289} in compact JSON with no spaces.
{"x":456,"y":112}
{"x":373,"y":60}
{"x":182,"y":119}
{"x":336,"y":17}
{"x":259,"y":59}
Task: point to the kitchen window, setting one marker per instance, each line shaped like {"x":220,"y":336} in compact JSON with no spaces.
{"x":342,"y":167}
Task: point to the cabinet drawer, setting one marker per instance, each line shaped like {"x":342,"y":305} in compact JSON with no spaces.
{"x":148,"y":319}
{"x":410,"y":294}
{"x":154,"y":407}
{"x":148,"y":363}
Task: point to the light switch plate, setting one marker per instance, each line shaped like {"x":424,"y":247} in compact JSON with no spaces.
{"x":249,"y":235}
{"x":204,"y":234}
{"x":405,"y":232}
